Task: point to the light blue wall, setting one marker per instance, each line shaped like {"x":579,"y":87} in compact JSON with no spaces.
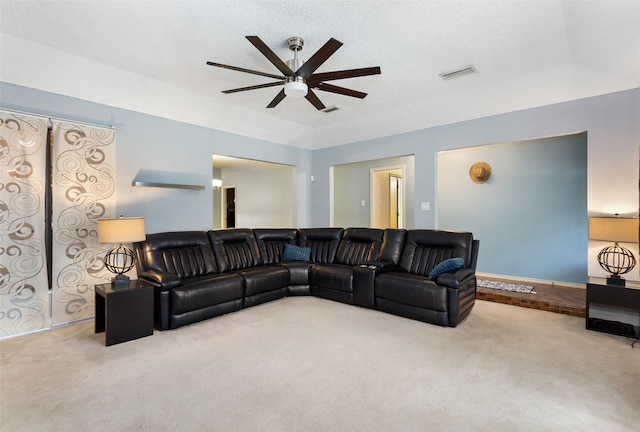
{"x":612,"y":123}
{"x":531,"y":216}
{"x":173,"y":150}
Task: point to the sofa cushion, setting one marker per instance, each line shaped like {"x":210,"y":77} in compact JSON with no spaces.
{"x":334,"y":276}
{"x":445,"y":267}
{"x":263,"y":279}
{"x":322,"y":241}
{"x":412,"y":290}
{"x":272,"y":241}
{"x":425,"y":249}
{"x":296,"y":253}
{"x":186,"y":254}
{"x":391,"y":248}
{"x":234,"y":249}
{"x":298,"y":272}
{"x":359,"y":245}
{"x":203,"y":292}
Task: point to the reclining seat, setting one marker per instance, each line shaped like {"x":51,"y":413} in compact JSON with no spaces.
{"x":236,"y":250}
{"x":334,"y":280}
{"x":188,"y":286}
{"x":322,"y":242}
{"x":271,"y":244}
{"x":409,"y":292}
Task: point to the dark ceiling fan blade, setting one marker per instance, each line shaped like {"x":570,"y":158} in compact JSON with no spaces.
{"x":239,"y":69}
{"x":270,"y":55}
{"x":340,"y":90}
{"x":313,"y":98}
{"x":315,"y":79}
{"x":255,"y":87}
{"x":276,"y":100}
{"x":320,"y":56}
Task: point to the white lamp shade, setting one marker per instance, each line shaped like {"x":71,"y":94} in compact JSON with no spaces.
{"x":613,"y":229}
{"x":121,"y":230}
{"x":295,"y":89}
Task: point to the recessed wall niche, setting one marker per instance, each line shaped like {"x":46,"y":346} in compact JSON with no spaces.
{"x":253,"y":193}
{"x":531,"y":216}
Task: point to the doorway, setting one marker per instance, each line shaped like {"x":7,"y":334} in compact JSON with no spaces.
{"x":360,"y":193}
{"x":229,"y":207}
{"x":387,"y":197}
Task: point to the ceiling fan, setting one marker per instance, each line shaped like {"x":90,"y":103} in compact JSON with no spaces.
{"x":298,"y":77}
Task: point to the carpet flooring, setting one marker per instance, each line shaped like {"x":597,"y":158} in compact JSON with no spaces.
{"x":308,"y":364}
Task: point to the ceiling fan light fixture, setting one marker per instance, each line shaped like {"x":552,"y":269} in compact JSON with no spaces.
{"x":296,"y":75}
{"x":296,"y":89}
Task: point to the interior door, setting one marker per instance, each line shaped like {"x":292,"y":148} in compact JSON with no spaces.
{"x":230,"y":207}
{"x":396,"y":206}
{"x":393,"y":201}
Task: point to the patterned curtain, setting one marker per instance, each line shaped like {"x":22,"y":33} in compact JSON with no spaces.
{"x":24,"y":289}
{"x":83,"y":191}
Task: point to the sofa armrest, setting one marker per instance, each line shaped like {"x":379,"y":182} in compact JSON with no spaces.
{"x":364,"y":281}
{"x":456,"y":278}
{"x":162,"y":280}
{"x":379,"y":265}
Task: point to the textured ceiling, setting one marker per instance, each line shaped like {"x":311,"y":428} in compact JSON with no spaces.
{"x":151,"y":56}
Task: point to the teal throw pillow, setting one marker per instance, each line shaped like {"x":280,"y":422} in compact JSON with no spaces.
{"x":296,"y":253}
{"x":446,"y":266}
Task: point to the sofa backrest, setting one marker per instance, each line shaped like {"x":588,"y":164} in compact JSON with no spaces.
{"x":392,"y":243}
{"x":323,"y":242}
{"x":234,"y":249}
{"x":186,"y":254}
{"x":358,"y":245}
{"x":425,"y":249}
{"x":271,"y":242}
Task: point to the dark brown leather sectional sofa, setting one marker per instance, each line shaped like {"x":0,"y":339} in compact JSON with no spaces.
{"x":203,"y":274}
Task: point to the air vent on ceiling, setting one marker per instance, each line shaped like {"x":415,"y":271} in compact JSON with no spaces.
{"x":331,"y":108}
{"x":458,"y":73}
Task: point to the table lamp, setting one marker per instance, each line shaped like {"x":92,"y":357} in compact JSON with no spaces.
{"x":120,"y":259}
{"x":615,"y":259}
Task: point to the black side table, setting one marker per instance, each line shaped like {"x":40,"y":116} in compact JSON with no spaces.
{"x":124,"y":311}
{"x":625,"y":297}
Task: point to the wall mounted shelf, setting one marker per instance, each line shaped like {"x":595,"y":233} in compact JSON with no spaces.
{"x":166,"y":185}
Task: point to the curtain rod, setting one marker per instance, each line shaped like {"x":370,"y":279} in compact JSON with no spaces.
{"x":61,"y":119}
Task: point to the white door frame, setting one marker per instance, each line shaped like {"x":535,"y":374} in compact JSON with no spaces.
{"x":373,"y":193}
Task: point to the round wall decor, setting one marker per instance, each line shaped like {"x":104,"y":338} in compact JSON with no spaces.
{"x":480,"y":172}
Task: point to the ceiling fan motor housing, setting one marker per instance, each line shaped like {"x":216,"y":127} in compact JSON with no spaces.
{"x":295,"y":43}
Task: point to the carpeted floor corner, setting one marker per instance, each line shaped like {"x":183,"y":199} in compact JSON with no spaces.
{"x":308,"y":364}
